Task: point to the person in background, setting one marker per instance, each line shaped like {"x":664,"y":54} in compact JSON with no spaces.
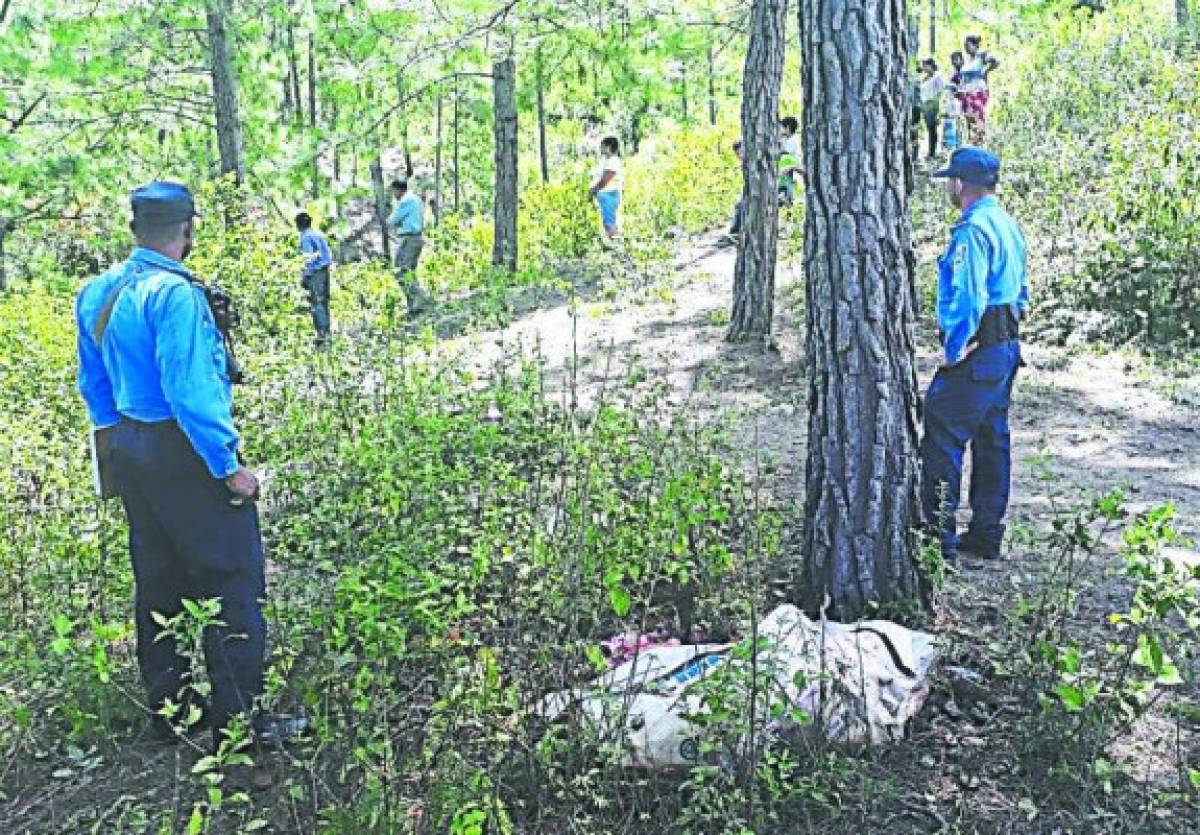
{"x":933,"y":86}
{"x":315,"y":275}
{"x":789,"y":159}
{"x":739,"y":210}
{"x":789,"y":139}
{"x":983,"y":293}
{"x":154,"y":375}
{"x":973,"y":87}
{"x":408,"y":221}
{"x":607,"y":183}
{"x":913,"y":101}
{"x":951,"y":135}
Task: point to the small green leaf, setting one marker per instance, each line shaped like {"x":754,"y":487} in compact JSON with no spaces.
{"x":621,"y":602}
{"x":1072,"y":697}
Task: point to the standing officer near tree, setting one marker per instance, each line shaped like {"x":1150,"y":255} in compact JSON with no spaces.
{"x":153,"y":372}
{"x":983,"y":292}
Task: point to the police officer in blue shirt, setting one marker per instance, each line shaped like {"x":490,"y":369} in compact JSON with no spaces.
{"x":315,"y":275}
{"x":153,"y":372}
{"x":983,"y":292}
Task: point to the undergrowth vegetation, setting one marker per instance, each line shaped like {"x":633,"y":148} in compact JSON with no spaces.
{"x":1102,"y":158}
{"x":453,"y":531}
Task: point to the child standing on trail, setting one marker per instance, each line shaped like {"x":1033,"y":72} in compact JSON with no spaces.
{"x":952,"y":112}
{"x":932,"y":88}
{"x":606,"y":184}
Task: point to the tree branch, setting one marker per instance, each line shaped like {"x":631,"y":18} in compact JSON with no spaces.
{"x":15,"y":124}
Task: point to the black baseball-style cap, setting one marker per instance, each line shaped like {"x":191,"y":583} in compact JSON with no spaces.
{"x":162,"y":202}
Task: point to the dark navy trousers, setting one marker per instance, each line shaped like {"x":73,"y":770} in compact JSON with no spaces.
{"x":187,"y":541}
{"x":968,"y":404}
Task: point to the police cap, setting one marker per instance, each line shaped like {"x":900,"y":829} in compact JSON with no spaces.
{"x":159,"y":202}
{"x":972,"y":165}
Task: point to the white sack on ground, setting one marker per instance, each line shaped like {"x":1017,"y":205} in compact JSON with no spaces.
{"x":861,"y":681}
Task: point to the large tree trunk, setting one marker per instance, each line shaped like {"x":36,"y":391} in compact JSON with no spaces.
{"x":504,"y":250}
{"x":754,"y":274}
{"x":862,"y":477}
{"x":225,"y":95}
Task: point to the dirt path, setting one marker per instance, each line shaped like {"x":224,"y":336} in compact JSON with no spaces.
{"x":1082,"y":422}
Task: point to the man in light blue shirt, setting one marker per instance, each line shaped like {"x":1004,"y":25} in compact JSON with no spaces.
{"x":983,"y":292}
{"x":315,"y":278}
{"x":408,"y":221}
{"x":153,"y":371}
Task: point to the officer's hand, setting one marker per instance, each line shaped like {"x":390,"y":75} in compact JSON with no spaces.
{"x":243,"y":485}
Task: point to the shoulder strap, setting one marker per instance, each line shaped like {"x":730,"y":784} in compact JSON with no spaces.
{"x":110,"y":301}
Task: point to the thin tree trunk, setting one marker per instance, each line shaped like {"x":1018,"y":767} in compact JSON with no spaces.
{"x":4,"y":227}
{"x":312,"y":115}
{"x":683,"y":91}
{"x":754,"y":273}
{"x":712,"y":90}
{"x":457,"y":181}
{"x":285,"y":108}
{"x":504,"y":88}
{"x":932,"y":27}
{"x":543,"y":156}
{"x":381,"y":206}
{"x":437,"y":160}
{"x":861,"y":499}
{"x":312,"y":81}
{"x":294,"y":72}
{"x":225,"y":93}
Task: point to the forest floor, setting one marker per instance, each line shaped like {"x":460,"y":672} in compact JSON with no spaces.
{"x":1084,"y":422}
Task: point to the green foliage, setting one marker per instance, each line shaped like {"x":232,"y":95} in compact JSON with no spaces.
{"x":1100,"y":148}
{"x":1092,"y":692}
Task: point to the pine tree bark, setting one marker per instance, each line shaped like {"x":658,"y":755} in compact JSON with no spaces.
{"x":862,"y":473}
{"x":504,"y":249}
{"x":225,"y":92}
{"x":754,"y":273}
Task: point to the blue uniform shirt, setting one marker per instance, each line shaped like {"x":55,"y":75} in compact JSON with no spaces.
{"x":161,"y":356}
{"x":984,"y":266}
{"x":313,"y":243}
{"x":407,"y":217}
